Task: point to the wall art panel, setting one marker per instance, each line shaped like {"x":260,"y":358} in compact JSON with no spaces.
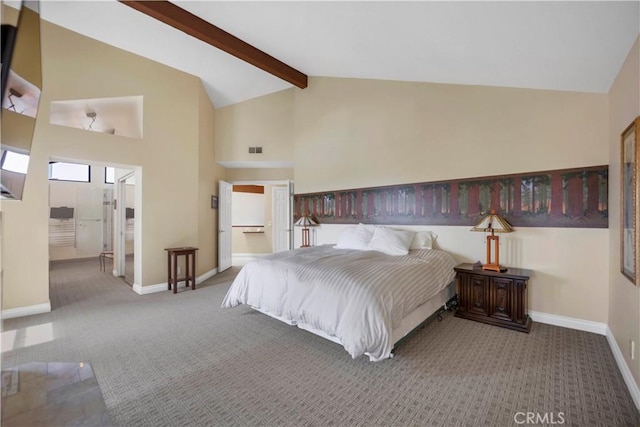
{"x":557,"y":198}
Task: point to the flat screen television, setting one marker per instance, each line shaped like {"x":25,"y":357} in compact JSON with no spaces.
{"x":21,"y":79}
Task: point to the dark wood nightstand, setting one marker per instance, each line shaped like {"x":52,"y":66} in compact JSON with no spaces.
{"x":495,"y":298}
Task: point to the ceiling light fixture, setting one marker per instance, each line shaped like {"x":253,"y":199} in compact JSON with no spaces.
{"x":92,"y":115}
{"x":12,"y":93}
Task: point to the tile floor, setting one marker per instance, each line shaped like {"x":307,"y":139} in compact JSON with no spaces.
{"x":52,"y":394}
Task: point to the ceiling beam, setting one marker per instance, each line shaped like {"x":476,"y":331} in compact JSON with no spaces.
{"x":194,"y":26}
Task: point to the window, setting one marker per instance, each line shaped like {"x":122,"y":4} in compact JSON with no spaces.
{"x":109,"y":175}
{"x":61,"y":171}
{"x":15,"y":162}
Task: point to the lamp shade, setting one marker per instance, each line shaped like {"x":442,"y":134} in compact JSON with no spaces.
{"x":493,"y":223}
{"x":306,"y":221}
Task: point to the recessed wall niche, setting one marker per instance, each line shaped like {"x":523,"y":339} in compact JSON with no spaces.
{"x":120,"y":116}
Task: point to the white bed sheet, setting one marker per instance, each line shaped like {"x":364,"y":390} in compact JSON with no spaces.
{"x":408,"y":324}
{"x":359,"y":297}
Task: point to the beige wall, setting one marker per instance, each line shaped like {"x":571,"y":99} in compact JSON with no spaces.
{"x":350,"y":133}
{"x":259,"y":174}
{"x":9,"y":15}
{"x":175,"y":135}
{"x":624,"y":297}
{"x":209,"y":174}
{"x":260,"y":122}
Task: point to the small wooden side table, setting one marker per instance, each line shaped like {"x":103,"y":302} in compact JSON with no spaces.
{"x":172,"y":267}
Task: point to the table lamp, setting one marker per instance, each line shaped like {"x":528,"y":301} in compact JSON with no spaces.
{"x":305,"y":222}
{"x":493,"y":223}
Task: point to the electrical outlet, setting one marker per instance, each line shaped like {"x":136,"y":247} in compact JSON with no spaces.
{"x":179,"y":270}
{"x":632,"y":348}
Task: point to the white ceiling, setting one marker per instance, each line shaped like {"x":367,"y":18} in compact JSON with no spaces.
{"x":575,"y":45}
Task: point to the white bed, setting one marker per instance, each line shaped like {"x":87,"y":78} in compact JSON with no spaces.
{"x":364,"y":300}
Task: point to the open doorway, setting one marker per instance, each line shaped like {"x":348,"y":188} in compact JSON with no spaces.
{"x":83,"y":227}
{"x":261,"y":219}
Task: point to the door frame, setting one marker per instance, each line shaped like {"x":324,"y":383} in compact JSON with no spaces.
{"x":118,"y":224}
{"x":137,"y":244}
{"x":121,"y":212}
{"x":289,"y":221}
{"x":224,"y":214}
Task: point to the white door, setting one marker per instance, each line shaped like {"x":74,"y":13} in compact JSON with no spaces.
{"x":123,"y":235}
{"x":89,"y":222}
{"x":290,"y":212}
{"x":281,"y":221}
{"x":224,"y":226}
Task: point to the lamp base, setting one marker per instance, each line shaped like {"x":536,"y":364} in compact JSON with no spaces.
{"x":306,"y":241}
{"x":494,"y":267}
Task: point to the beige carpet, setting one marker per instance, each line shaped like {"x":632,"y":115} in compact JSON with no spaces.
{"x":164,"y":359}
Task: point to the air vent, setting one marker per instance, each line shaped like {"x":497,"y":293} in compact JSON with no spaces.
{"x":255,"y":150}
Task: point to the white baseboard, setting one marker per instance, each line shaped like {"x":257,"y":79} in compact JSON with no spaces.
{"x":600,"y":329}
{"x":624,"y":368}
{"x":569,"y":322}
{"x":26,"y":311}
{"x":150,"y":289}
{"x":206,"y":275}
{"x":239,"y":259}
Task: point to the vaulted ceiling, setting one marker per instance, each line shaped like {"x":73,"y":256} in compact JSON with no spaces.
{"x":575,"y":45}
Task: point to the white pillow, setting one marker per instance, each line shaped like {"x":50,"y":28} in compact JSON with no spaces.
{"x":354,"y":237}
{"x":369,"y":227}
{"x":390,"y":241}
{"x":423,"y":240}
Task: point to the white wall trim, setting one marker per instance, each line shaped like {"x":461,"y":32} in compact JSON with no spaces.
{"x":569,"y":322}
{"x":634,"y":390}
{"x":159,"y":287}
{"x":239,"y":259}
{"x":28,"y":310}
{"x":206,"y":275}
{"x":150,"y":289}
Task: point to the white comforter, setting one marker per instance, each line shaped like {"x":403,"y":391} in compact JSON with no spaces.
{"x":357,"y":296}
